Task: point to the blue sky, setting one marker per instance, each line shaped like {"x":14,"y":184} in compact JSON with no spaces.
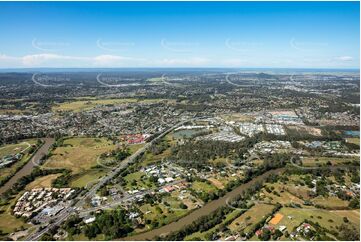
{"x":180,"y":34}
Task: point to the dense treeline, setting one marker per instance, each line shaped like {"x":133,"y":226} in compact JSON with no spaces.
{"x":63,"y":180}
{"x":209,"y":221}
{"x":113,"y":224}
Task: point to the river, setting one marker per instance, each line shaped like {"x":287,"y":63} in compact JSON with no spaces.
{"x":27,"y":169}
{"x":205,"y":210}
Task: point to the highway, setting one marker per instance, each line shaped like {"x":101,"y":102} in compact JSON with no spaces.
{"x":64,"y":214}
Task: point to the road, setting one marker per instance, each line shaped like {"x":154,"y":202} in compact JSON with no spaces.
{"x":203,"y":211}
{"x":28,"y":168}
{"x":126,"y":198}
{"x":64,"y":214}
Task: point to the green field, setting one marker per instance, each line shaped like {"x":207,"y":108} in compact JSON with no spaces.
{"x":202,"y":235}
{"x":247,"y":220}
{"x":330,"y":202}
{"x":315,"y":161}
{"x":8,"y":222}
{"x":79,"y":154}
{"x":355,"y":141}
{"x":12,"y":149}
{"x":88,"y":177}
{"x":160,"y":214}
{"x":203,"y":187}
{"x":280,"y":195}
{"x":293,"y":217}
{"x":138,"y":180}
{"x":82,"y":105}
{"x":43,"y":181}
{"x":150,"y":158}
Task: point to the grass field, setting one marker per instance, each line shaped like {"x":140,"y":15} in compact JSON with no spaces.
{"x":238,"y":117}
{"x":314,"y":161}
{"x":216,"y":183}
{"x":201,"y":235}
{"x":293,"y":217}
{"x":355,"y":141}
{"x":12,"y":149}
{"x":251,"y":217}
{"x":44,"y":181}
{"x":160,"y":213}
{"x":8,"y":222}
{"x":330,"y":202}
{"x":352,"y":215}
{"x":280,"y":195}
{"x":299,"y":130}
{"x":203,"y":187}
{"x":82,"y":105}
{"x":139,"y":179}
{"x":79,"y":154}
{"x":87,"y":177}
{"x":150,"y":158}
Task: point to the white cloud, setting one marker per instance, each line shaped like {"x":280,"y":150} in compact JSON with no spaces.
{"x":344,"y":58}
{"x":56,"y":60}
{"x":194,"y":61}
{"x":45,"y":59}
{"x":64,"y":61}
{"x":115,"y":60}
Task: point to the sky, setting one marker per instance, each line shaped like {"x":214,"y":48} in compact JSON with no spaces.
{"x":180,"y":34}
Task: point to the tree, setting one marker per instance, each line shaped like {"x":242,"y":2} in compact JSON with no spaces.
{"x":348,"y":234}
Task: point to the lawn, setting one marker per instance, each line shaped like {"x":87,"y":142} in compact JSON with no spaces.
{"x":252,"y":216}
{"x":10,"y":224}
{"x":203,"y":187}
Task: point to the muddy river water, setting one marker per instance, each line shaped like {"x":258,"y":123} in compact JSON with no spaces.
{"x":205,"y":210}
{"x":27,"y":169}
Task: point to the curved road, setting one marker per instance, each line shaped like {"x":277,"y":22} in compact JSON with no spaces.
{"x":28,"y":168}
